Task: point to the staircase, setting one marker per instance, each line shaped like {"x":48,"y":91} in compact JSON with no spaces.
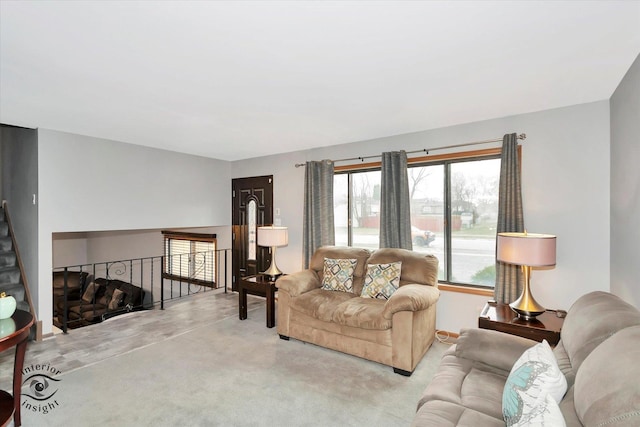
{"x":11,"y":277}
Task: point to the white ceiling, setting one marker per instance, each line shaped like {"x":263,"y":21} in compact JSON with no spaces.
{"x":234,"y":80}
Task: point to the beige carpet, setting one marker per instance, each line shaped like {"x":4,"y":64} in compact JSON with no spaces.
{"x":233,"y":373}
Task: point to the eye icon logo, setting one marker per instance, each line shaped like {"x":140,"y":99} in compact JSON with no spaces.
{"x":41,"y":387}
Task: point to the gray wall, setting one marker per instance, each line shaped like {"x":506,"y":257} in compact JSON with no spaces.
{"x":565,"y":180}
{"x":91,"y":184}
{"x":20,"y":183}
{"x":625,"y":187}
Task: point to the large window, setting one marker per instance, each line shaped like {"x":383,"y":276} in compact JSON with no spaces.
{"x":190,"y":257}
{"x":454,"y":212}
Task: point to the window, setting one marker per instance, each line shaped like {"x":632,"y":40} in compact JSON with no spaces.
{"x":190,"y":257}
{"x":356,"y":198}
{"x":454,"y":212}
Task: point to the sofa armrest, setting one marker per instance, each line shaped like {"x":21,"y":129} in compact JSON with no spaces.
{"x":492,"y":348}
{"x":411,"y":298}
{"x":298,"y":283}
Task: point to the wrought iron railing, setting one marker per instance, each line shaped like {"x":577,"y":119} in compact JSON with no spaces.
{"x":144,"y":283}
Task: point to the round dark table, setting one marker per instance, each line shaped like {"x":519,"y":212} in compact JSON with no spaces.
{"x":10,"y":405}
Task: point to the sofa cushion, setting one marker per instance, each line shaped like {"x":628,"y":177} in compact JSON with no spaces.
{"x":592,"y":319}
{"x":75,"y":279}
{"x":416,"y":267}
{"x":466,"y":382}
{"x":606,"y":390}
{"x":133,"y":294}
{"x":439,"y":413}
{"x":320,"y":303}
{"x":364,"y":313}
{"x":90,"y":293}
{"x":116,"y":299}
{"x":317,"y":262}
{"x":381,"y":280}
{"x":337,"y":274}
{"x":534,"y":375}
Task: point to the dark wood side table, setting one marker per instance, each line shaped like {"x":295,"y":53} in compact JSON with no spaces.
{"x":500,"y":317}
{"x":259,"y":285}
{"x":10,"y":405}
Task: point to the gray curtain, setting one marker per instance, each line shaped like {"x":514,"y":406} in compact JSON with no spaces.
{"x":318,"y":207}
{"x":395,"y":213}
{"x":509,"y":278}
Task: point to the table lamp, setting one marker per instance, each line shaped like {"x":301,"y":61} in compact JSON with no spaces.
{"x":273,"y":237}
{"x":527,"y":250}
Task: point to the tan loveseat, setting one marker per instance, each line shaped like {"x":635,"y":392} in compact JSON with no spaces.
{"x":396,"y":332}
{"x":598,"y":354}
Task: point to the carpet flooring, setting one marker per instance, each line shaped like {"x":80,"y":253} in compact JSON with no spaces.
{"x":204,"y":367}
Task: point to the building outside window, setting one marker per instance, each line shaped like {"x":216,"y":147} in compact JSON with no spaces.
{"x":454,"y":212}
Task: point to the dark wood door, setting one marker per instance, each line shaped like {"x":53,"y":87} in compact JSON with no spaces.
{"x":252,"y":207}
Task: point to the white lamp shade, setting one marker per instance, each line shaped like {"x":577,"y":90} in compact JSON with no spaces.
{"x":530,"y":249}
{"x":273,"y":236}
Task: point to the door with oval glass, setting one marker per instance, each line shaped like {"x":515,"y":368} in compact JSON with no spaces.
{"x":252,"y":202}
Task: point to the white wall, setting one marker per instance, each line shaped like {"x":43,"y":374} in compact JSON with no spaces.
{"x":625,"y":187}
{"x":92,"y":184}
{"x":69,"y":249}
{"x":565,"y":192}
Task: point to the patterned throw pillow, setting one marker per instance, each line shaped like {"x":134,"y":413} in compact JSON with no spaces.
{"x":534,"y":376}
{"x":337,"y":274}
{"x":381,"y":280}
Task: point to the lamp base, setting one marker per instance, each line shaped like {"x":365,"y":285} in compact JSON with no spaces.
{"x":273,"y":271}
{"x":526,"y":306}
{"x":526,"y":314}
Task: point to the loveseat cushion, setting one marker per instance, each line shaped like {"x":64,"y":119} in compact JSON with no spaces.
{"x":337,"y":274}
{"x":416,"y":267}
{"x":337,"y":252}
{"x":381,"y":280}
{"x":320,"y":303}
{"x":363,"y":313}
{"x":606,"y":390}
{"x":592,"y":319}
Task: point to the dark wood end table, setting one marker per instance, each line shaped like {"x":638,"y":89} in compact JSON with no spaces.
{"x":500,"y":317}
{"x":10,"y":405}
{"x":262,"y":286}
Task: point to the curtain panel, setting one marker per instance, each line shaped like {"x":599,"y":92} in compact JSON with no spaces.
{"x":318,"y":227}
{"x":395,"y":211}
{"x":509,"y":278}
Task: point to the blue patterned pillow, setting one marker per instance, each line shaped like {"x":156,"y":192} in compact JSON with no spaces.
{"x":337,"y":274}
{"x":381,"y":280}
{"x":534,"y":376}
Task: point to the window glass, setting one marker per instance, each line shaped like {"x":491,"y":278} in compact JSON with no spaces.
{"x":474,"y":217}
{"x":426,"y":189}
{"x":341,"y":209}
{"x":365,"y":209}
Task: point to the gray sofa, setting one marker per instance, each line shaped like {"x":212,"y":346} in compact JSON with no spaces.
{"x":598,"y":352}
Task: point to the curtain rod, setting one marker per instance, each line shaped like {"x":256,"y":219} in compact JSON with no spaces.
{"x":425,"y":150}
